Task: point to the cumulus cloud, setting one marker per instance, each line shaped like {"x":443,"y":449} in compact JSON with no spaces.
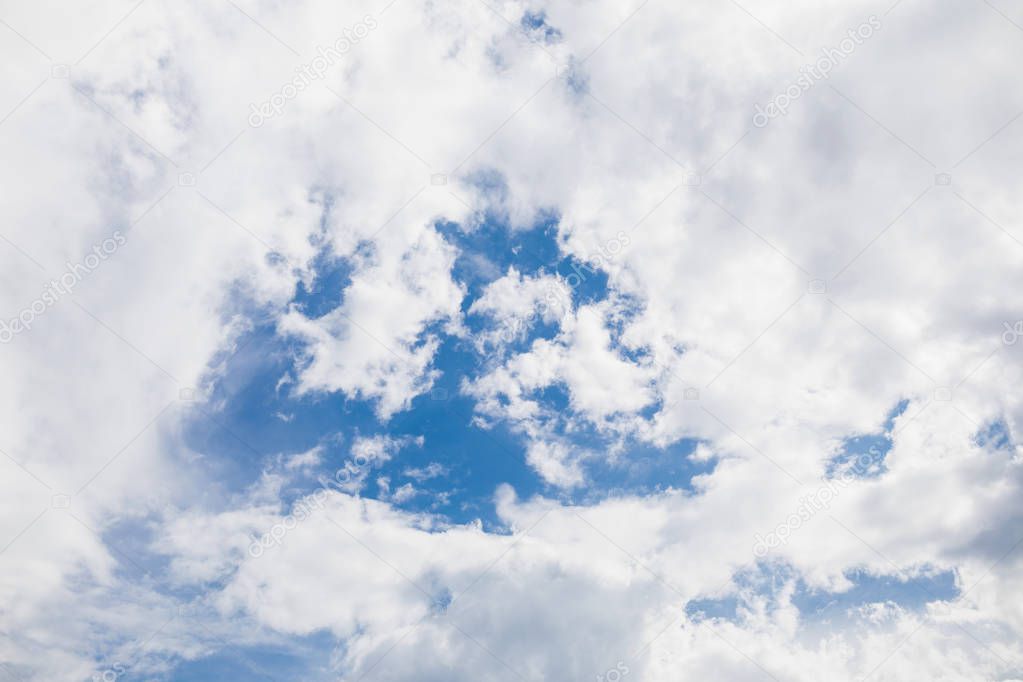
{"x":377,"y":344}
{"x":771,"y":291}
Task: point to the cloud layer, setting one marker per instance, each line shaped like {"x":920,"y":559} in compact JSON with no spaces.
{"x":577,"y":197}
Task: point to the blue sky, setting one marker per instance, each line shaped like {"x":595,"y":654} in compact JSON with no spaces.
{"x":262,"y":418}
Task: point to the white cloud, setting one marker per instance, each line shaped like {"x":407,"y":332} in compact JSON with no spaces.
{"x":376,"y":344}
{"x":431,"y":470}
{"x":918,"y":289}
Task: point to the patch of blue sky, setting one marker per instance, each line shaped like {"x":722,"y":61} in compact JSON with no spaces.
{"x":576,"y":79}
{"x":320,"y":296}
{"x":643,"y":469}
{"x":995,"y":436}
{"x":132,"y":543}
{"x":863,"y":455}
{"x":911,"y":593}
{"x":723,"y":608}
{"x":247,"y":432}
{"x":299,"y":659}
{"x":258,"y":421}
{"x":258,"y":418}
{"x":629,"y":308}
{"x":762,"y":580}
{"x":535,"y":23}
{"x":895,"y":413}
{"x":476,"y":460}
{"x":487,"y":252}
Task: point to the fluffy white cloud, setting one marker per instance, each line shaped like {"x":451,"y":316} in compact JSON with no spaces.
{"x":804,"y":277}
{"x":515,"y":303}
{"x":374,"y":345}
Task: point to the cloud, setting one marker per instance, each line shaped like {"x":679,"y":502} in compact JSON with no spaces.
{"x":782,"y":289}
{"x":377,"y":343}
{"x":431,"y":470}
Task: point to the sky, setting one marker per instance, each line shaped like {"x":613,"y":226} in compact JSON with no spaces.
{"x":511,"y":340}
